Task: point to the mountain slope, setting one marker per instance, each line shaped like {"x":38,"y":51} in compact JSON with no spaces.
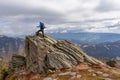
{"x":9,"y":45}
{"x":106,"y":50}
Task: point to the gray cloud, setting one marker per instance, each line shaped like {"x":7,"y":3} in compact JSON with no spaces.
{"x":23,"y":14}
{"x":21,"y":17}
{"x":108,"y":5}
{"x":46,"y":19}
{"x":116,"y":25}
{"x":101,"y":20}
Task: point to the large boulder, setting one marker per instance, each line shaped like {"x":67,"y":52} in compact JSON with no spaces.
{"x":43,"y":54}
{"x":17,"y":63}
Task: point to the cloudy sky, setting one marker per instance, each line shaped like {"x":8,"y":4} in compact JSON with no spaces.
{"x":19,"y":17}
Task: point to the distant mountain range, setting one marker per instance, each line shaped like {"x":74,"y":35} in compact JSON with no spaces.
{"x":9,"y":45}
{"x":87,"y":38}
{"x":108,"y":50}
{"x":105,"y":45}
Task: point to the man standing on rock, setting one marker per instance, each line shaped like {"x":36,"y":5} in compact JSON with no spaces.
{"x":42,"y":27}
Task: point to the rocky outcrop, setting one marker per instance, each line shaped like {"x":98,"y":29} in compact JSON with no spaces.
{"x":17,"y":63}
{"x":43,"y":54}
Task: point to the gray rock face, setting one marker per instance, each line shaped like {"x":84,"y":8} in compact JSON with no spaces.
{"x":43,"y":54}
{"x":17,"y":63}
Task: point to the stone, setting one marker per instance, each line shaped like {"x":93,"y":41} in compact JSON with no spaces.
{"x":67,"y":74}
{"x":90,"y":70}
{"x":54,"y":75}
{"x":43,"y":54}
{"x":78,"y":76}
{"x":94,"y":74}
{"x":75,"y":77}
{"x":99,"y":73}
{"x":17,"y":63}
{"x":48,"y":78}
{"x":105,"y":75}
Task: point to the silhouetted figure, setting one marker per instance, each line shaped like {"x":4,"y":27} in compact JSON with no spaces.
{"x":41,"y":26}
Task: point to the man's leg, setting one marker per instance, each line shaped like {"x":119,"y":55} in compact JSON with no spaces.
{"x":38,"y":32}
{"x":43,"y":33}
